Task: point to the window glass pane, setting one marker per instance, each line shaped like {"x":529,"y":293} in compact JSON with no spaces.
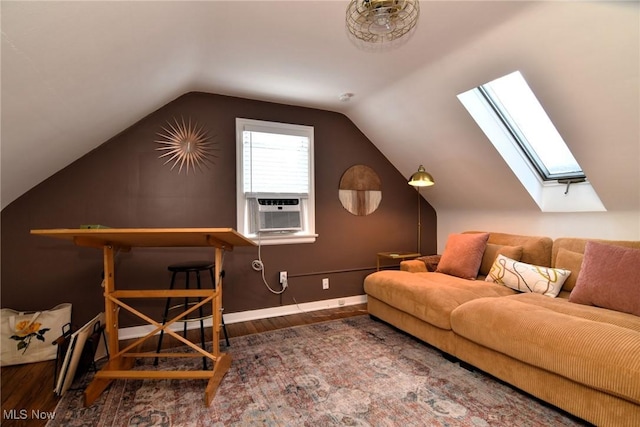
{"x":275,"y":163}
{"x":528,"y":121}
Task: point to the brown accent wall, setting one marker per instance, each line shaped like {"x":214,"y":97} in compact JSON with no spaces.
{"x":122,"y":183}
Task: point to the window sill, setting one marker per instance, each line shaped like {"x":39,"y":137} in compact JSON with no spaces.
{"x":286,"y":239}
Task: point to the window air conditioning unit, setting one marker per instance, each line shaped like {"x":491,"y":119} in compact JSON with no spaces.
{"x":275,"y":215}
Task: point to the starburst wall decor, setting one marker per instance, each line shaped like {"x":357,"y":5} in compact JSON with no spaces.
{"x":185,"y":144}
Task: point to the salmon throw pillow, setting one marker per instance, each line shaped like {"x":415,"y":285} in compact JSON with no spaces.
{"x":463,"y":254}
{"x":609,"y":278}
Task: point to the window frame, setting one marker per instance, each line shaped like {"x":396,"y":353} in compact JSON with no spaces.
{"x":521,"y":140}
{"x":550,"y":195}
{"x":307,"y":234}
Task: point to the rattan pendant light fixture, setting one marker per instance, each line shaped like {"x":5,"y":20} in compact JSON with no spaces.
{"x":377,"y":21}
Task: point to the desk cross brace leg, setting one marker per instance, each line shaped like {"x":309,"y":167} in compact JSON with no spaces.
{"x":160,"y":327}
{"x":117,"y":366}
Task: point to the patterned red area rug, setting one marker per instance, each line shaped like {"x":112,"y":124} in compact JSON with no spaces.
{"x":354,"y":371}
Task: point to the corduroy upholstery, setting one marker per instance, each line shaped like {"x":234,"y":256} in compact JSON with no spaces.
{"x":535,"y":250}
{"x":574,"y":249}
{"x":583,"y":359}
{"x":430,"y":297}
{"x":571,"y":340}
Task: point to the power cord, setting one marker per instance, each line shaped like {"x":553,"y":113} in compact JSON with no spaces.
{"x":258,"y":265}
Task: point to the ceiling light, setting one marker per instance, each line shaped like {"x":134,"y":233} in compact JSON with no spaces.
{"x":376,"y":21}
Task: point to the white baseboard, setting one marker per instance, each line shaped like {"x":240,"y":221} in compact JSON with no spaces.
{"x":244,"y":316}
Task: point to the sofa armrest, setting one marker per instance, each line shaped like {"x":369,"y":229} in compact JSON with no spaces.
{"x":413,"y":266}
{"x":421,"y":265}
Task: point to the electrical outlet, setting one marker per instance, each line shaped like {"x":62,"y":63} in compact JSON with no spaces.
{"x":325,"y":283}
{"x":283,"y":277}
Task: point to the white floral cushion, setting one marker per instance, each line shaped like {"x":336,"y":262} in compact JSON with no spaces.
{"x":527,"y":277}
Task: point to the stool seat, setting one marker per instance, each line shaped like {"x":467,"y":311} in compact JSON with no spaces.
{"x":191,"y":266}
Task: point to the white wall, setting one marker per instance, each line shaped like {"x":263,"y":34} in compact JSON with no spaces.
{"x":600,"y":225}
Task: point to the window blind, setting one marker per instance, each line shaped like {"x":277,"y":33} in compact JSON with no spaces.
{"x":275,"y":163}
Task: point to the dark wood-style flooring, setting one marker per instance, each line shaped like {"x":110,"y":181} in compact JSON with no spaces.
{"x":29,"y":388}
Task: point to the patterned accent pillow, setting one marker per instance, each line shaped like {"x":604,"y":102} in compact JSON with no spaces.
{"x":527,"y":277}
{"x":462,"y":255}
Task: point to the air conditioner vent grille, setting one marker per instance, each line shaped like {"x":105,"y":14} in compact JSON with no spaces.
{"x":278,"y":202}
{"x":275,"y":215}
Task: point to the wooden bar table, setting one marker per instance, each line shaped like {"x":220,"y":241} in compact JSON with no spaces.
{"x":111,"y":240}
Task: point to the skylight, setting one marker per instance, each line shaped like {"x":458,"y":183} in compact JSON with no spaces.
{"x":516,"y":124}
{"x":519,"y":109}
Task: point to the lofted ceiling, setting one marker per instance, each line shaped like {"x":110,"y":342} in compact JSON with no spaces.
{"x":76,"y":73}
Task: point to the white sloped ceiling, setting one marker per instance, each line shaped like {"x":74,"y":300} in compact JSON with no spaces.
{"x":75,"y":74}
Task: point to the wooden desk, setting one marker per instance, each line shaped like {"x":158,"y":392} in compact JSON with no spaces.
{"x":111,"y":240}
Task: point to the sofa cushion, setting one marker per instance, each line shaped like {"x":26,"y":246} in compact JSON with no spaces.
{"x":592,"y":346}
{"x":492,"y":251}
{"x":463,"y":254}
{"x":572,"y":261}
{"x":609,"y":278}
{"x":428,"y":296}
{"x":535,"y":249}
{"x":525,"y":277}
{"x":576,"y":244}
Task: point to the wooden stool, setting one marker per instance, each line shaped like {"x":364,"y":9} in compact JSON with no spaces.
{"x":187,"y":268}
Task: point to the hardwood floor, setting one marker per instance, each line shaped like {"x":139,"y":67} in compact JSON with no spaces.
{"x":27,"y":390}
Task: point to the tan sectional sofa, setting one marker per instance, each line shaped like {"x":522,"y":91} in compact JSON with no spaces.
{"x":581,"y":358}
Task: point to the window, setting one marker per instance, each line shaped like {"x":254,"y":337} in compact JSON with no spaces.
{"x":515,"y":122}
{"x":523,"y":116}
{"x":275,"y":189}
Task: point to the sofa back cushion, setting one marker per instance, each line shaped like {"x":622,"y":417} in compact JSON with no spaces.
{"x":568,"y":253}
{"x":577,"y":244}
{"x":572,"y":261}
{"x":535,"y":249}
{"x":492,"y":251}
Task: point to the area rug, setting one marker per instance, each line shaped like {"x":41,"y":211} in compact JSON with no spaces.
{"x":353,"y":372}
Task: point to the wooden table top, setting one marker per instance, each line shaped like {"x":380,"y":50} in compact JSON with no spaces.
{"x":225,"y":238}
